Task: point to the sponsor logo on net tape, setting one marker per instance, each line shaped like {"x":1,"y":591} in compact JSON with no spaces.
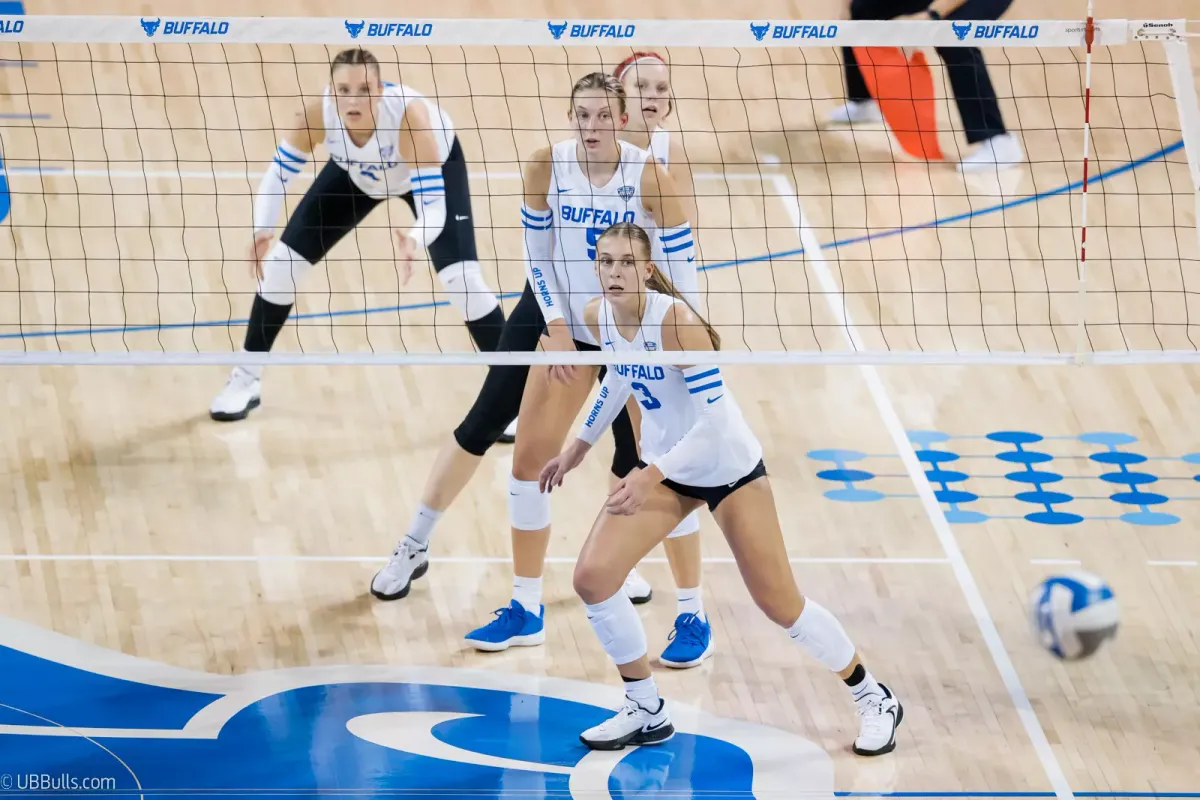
{"x":387,"y":30}
{"x":581,"y":30}
{"x":761,"y":31}
{"x":184,"y":27}
{"x":984,"y":30}
{"x":1157,"y":29}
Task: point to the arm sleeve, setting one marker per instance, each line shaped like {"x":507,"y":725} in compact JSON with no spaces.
{"x":702,"y":442}
{"x":268,"y":200}
{"x":609,"y":402}
{"x":539,"y":261}
{"x":674,"y":250}
{"x":429,"y":198}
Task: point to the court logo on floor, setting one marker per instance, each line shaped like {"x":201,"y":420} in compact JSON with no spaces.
{"x":1011,"y":475}
{"x":131,"y":726}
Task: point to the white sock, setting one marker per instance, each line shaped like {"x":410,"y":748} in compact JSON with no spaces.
{"x":866,"y":687}
{"x":690,"y":601}
{"x":644,"y":693}
{"x":528,"y":592}
{"x":254,"y":370}
{"x":421,"y":527}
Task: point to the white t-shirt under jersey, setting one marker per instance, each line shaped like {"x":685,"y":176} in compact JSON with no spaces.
{"x":668,"y":412}
{"x":583,"y":211}
{"x":377,"y":167}
{"x":660,"y":146}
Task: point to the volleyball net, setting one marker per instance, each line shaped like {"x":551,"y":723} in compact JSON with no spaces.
{"x":132,"y":147}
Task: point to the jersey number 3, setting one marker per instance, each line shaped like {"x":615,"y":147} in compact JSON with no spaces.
{"x":648,"y":401}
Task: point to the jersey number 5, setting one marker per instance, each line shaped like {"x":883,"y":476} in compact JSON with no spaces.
{"x":648,"y":401}
{"x":593,"y":235}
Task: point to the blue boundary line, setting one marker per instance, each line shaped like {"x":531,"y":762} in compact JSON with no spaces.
{"x":979,"y":212}
{"x":1114,"y":794}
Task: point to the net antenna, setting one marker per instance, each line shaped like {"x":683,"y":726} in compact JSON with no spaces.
{"x":141,"y":182}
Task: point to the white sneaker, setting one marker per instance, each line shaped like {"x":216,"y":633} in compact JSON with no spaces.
{"x":879,"y":716}
{"x":997,"y":152}
{"x":408,"y":562}
{"x":637,"y":588}
{"x":241,"y":395}
{"x":855,"y":112}
{"x":633,"y":725}
{"x":510,"y":434}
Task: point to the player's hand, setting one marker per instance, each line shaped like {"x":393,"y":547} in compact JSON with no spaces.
{"x":557,"y":468}
{"x":922,"y":16}
{"x":406,"y":251}
{"x":258,"y":251}
{"x":628,"y":495}
{"x":558,"y":339}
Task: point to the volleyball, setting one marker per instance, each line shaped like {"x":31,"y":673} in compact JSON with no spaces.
{"x":1074,"y":614}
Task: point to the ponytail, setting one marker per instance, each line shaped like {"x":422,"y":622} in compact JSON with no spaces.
{"x":659,"y":282}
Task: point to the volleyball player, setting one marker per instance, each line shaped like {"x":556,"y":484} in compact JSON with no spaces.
{"x":697,"y":450}
{"x":555,"y":181}
{"x":384,"y":140}
{"x":647,"y":82}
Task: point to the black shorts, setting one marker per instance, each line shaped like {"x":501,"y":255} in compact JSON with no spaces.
{"x":333,"y":206}
{"x":499,"y":399}
{"x":713,"y":495}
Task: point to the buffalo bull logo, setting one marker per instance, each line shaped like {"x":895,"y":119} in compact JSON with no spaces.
{"x":557,"y":30}
{"x":961,"y":29}
{"x":150,"y":26}
{"x":355,"y":28}
{"x":759,"y":31}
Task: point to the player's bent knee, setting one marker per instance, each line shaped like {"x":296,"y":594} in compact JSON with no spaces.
{"x":530,"y":456}
{"x":528,"y":506}
{"x":467,"y":290}
{"x":593,"y":581}
{"x":687,"y":526}
{"x":282,"y":270}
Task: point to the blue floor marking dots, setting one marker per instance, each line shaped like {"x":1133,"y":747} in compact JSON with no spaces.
{"x":940,"y":221}
{"x":1124,"y":480}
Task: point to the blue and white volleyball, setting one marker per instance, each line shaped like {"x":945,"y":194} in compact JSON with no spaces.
{"x":1074,"y":614}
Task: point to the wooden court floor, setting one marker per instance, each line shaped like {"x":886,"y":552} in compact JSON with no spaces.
{"x":138,"y":528}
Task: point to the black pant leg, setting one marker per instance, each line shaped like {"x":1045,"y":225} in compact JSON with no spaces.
{"x":973,"y":92}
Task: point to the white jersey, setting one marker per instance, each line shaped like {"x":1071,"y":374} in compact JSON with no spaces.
{"x":377,"y":167}
{"x":660,"y":146}
{"x":668,"y":412}
{"x":583,"y":211}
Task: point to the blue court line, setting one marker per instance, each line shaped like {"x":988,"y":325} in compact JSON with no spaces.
{"x":979,"y":212}
{"x":1020,"y":794}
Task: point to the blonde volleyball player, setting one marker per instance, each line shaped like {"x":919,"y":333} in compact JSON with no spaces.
{"x":384,"y":140}
{"x":697,"y":450}
{"x":647,"y":82}
{"x":571,"y":190}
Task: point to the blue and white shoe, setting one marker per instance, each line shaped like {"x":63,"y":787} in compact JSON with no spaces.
{"x":689,"y":644}
{"x":512,"y":627}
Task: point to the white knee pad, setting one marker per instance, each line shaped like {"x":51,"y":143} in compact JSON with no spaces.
{"x":528,"y":507}
{"x":819,"y":632}
{"x":467,"y":290}
{"x":619,"y":628}
{"x":687,"y":526}
{"x":282,"y":269}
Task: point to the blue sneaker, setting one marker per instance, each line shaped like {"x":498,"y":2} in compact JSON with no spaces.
{"x":690,"y":643}
{"x":512,"y":627}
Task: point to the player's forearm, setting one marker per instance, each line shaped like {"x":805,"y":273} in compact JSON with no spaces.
{"x":289,"y":161}
{"x":610,"y":399}
{"x":538,"y":225}
{"x":945,"y":8}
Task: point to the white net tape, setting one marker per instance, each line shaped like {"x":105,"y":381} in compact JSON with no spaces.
{"x":132,"y":147}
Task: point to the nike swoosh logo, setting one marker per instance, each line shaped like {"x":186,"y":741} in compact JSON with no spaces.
{"x":691,"y":259}
{"x":712,"y":400}
{"x":412,"y":732}
{"x":608,"y":344}
{"x":561,"y":191}
{"x":656,"y":727}
{"x":428,"y":202}
{"x":459,"y":217}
